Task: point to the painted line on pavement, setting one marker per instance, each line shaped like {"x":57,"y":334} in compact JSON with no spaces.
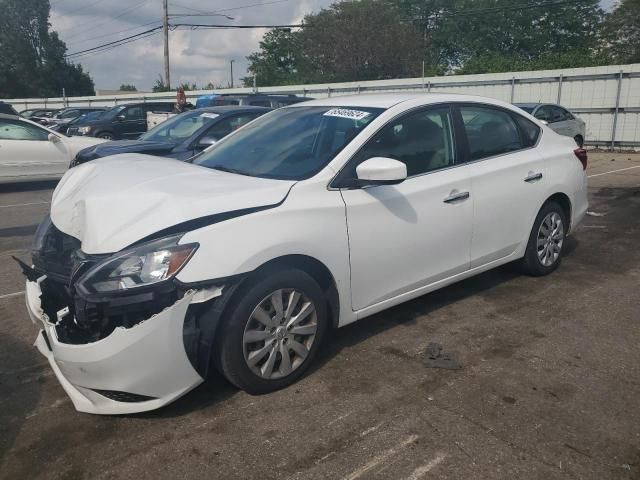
{"x":9,"y":295}
{"x":612,"y":171}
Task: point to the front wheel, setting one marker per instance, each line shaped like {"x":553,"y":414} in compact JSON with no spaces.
{"x":106,"y":136}
{"x":546,"y":241}
{"x":273,"y":331}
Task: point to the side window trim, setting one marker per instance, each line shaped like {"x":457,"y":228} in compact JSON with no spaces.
{"x":422,"y":108}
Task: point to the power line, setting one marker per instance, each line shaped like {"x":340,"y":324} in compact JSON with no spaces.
{"x":111,"y":47}
{"x":121,"y":31}
{"x":120,"y":15}
{"x":114,"y":42}
{"x":231,"y":27}
{"x":240,"y":7}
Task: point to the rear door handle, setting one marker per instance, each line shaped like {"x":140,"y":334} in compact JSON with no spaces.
{"x":533,"y":177}
{"x":456,"y":196}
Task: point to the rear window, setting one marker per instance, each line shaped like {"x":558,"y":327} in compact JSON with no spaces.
{"x":530,"y":131}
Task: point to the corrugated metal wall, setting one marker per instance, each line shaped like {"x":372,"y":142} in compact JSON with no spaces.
{"x":607,"y":98}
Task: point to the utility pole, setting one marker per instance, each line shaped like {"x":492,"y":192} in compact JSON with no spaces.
{"x":165,"y":26}
{"x":231,"y":63}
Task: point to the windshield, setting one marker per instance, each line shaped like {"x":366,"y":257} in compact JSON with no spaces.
{"x":87,"y":116}
{"x":179,"y":128}
{"x":290,"y":143}
{"x":111,"y":113}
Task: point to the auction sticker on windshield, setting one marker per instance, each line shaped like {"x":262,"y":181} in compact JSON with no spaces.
{"x":209,"y":115}
{"x":347,"y":113}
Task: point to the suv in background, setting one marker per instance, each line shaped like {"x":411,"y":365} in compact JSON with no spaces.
{"x":253,"y":100}
{"x":127,"y":121}
{"x":59,"y":121}
{"x":559,"y":119}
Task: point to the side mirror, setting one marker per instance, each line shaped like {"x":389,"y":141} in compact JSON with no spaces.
{"x":53,"y":138}
{"x":381,"y":171}
{"x":120,"y":117}
{"x":207,"y":142}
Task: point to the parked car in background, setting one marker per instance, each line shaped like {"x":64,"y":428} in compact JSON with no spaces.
{"x":310,"y":217}
{"x":29,"y":151}
{"x":180,"y":137}
{"x":61,"y":119}
{"x":90,"y":116}
{"x":560,"y":119}
{"x":121,"y":122}
{"x":256,"y":100}
{"x":35,"y":114}
{"x":7,"y":109}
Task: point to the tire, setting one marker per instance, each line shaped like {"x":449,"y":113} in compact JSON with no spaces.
{"x":105,"y":135}
{"x":543,"y":259}
{"x":235,"y":350}
{"x":579,"y":140}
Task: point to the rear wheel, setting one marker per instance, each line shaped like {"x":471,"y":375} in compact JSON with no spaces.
{"x":546,"y":241}
{"x":273,"y":331}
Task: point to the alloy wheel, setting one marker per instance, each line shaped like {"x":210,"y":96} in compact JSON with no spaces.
{"x":279,"y":334}
{"x":550,"y":239}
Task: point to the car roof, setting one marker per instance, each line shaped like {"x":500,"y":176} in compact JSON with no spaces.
{"x":527,"y":105}
{"x":388,"y":100}
{"x":222,"y":110}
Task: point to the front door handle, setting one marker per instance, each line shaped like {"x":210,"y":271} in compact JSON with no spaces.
{"x":456,"y":196}
{"x":533,"y":177}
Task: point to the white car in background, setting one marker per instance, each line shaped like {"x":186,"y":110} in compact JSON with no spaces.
{"x":559,"y":119}
{"x":150,"y":271}
{"x":31,"y":152}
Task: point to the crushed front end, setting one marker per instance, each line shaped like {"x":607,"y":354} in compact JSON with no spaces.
{"x":131,"y":350}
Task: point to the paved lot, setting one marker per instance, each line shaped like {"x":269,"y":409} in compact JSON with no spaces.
{"x":549,"y":389}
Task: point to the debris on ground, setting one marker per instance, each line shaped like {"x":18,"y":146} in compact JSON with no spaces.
{"x":595,"y":214}
{"x":436,"y":358}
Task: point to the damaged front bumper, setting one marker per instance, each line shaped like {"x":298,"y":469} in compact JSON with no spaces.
{"x":132,"y":369}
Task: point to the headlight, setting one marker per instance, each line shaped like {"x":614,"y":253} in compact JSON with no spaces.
{"x":141,"y":266}
{"x":84,"y":130}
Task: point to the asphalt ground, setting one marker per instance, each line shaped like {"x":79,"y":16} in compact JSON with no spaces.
{"x":550,"y":385}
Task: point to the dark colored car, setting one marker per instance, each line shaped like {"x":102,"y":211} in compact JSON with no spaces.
{"x":121,"y":122}
{"x":7,"y":109}
{"x":179,"y":137}
{"x":82,"y":118}
{"x":61,"y":119}
{"x":255,"y":100}
{"x":38,"y":113}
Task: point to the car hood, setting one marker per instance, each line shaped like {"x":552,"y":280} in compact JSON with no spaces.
{"x":113,"y":202}
{"x":127,"y":146}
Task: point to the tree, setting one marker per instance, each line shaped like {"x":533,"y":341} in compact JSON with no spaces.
{"x":33,"y":59}
{"x":622,"y":32}
{"x":479,"y":36}
{"x":349,"y":41}
{"x":160,"y":86}
{"x":125,"y":87}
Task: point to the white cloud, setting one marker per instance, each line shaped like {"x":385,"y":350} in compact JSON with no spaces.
{"x":197,"y":56}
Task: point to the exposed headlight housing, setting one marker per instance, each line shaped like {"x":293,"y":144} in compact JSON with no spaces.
{"x":141,"y":266}
{"x":84,"y":130}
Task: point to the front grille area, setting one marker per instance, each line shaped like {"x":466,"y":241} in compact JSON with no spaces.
{"x":77,"y":319}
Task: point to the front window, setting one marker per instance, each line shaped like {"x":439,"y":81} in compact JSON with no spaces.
{"x":179,"y":128}
{"x":289,"y":144}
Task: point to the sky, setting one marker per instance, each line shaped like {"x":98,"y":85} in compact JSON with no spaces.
{"x":199,"y":56}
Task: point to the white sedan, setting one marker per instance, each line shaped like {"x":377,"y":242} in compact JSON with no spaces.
{"x":31,"y":152}
{"x":310,"y":217}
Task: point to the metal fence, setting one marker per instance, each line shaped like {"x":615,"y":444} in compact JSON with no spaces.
{"x":606,"y":98}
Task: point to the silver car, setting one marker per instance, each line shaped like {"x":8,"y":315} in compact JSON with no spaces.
{"x":559,"y":119}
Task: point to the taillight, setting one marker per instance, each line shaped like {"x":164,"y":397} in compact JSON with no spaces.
{"x":581,"y":154}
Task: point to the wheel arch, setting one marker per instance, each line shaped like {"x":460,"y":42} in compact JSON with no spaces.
{"x":564,"y":201}
{"x":316,"y":270}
